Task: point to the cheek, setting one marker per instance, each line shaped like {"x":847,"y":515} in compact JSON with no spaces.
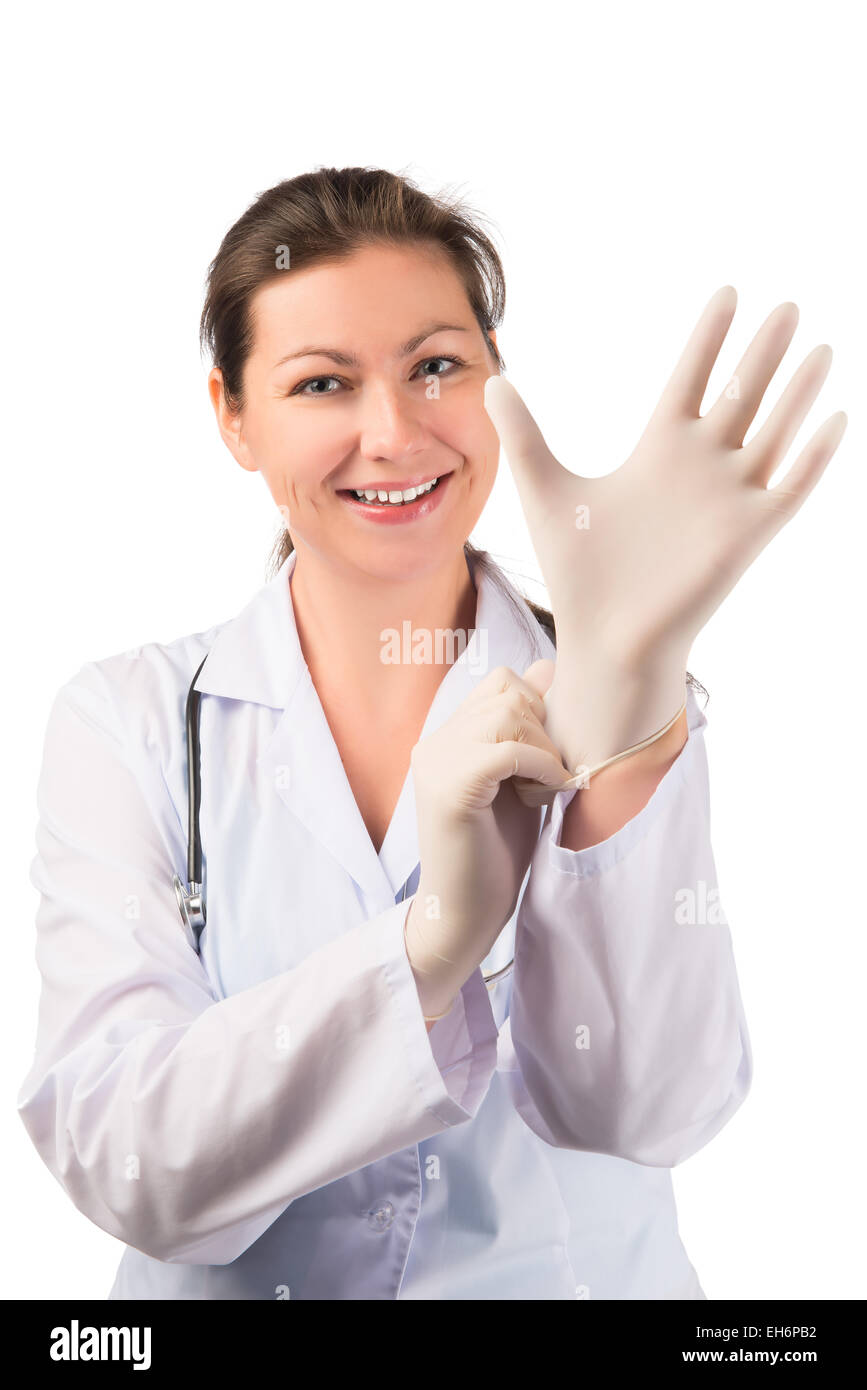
{"x":483,"y":451}
{"x":304,"y":458}
{"x":468,"y":431}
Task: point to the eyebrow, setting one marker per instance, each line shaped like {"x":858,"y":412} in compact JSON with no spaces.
{"x":350,"y":360}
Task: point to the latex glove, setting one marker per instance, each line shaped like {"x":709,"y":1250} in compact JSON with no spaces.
{"x":476,"y":836}
{"x":664,"y":538}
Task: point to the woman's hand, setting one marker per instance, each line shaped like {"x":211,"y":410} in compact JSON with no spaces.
{"x":637,"y":561}
{"x":476,"y":836}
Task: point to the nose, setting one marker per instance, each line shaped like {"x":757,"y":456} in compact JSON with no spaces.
{"x":390,"y":424}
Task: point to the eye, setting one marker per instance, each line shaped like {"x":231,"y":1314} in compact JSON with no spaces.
{"x":458,"y":362}
{"x":301,"y":388}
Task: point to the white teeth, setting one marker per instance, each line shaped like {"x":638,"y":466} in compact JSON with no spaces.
{"x":395,"y":498}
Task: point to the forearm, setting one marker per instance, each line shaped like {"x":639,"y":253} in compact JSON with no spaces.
{"x":438,"y":982}
{"x":626,"y":1025}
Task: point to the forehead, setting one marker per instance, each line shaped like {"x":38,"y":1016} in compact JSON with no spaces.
{"x":385,"y":291}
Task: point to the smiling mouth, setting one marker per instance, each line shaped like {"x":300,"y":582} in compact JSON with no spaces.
{"x":392,"y":497}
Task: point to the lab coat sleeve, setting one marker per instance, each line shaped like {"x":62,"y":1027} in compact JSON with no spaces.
{"x":627,"y":1033}
{"x":181,"y":1123}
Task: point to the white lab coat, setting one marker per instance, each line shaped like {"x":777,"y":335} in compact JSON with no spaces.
{"x":273,"y":1120}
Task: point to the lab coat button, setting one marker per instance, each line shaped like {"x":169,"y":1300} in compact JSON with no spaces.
{"x":380,"y":1217}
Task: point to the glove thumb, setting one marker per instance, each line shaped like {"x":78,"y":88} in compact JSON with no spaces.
{"x":540,"y":675}
{"x":534,"y":467}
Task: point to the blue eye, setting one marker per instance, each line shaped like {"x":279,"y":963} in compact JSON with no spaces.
{"x":301,"y":388}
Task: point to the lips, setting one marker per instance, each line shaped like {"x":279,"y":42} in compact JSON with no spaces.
{"x":388,"y":487}
{"x":393,"y":484}
{"x":395,"y":513}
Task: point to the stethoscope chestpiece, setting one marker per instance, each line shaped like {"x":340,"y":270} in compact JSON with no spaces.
{"x":192,"y":909}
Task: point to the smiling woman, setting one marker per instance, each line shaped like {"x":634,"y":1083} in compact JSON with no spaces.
{"x":402,"y":964}
{"x":353,"y":380}
{"x":325,"y":218}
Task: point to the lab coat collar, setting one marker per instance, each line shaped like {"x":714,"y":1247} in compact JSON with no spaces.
{"x":257,"y":657}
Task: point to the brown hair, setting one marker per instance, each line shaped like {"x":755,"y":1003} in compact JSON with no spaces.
{"x":326,"y":215}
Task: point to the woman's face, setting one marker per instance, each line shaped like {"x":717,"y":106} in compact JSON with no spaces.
{"x":349,"y":386}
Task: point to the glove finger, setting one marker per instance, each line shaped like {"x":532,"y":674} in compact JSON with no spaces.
{"x":501,"y":681}
{"x":535,"y":794}
{"x":496,"y":762}
{"x":498,"y":722}
{"x":540,"y":675}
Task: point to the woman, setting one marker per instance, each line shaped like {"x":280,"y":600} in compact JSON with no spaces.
{"x":347,"y":1093}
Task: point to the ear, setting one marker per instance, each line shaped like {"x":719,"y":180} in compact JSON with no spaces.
{"x":229,"y":422}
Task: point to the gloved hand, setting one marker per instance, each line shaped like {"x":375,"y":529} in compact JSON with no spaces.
{"x":635,"y":562}
{"x":476,"y":836}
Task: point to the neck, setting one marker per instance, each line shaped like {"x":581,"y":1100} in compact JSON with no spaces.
{"x":343,"y":617}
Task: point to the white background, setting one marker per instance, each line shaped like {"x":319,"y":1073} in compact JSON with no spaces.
{"x":632,"y":158}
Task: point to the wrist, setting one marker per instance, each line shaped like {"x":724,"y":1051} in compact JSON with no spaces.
{"x":437,"y":980}
{"x":598,"y":707}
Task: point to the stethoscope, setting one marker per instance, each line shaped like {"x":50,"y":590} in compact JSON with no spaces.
{"x":191,"y":898}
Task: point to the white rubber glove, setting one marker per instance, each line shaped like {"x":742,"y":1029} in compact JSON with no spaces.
{"x":476,"y":836}
{"x":634,"y":577}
